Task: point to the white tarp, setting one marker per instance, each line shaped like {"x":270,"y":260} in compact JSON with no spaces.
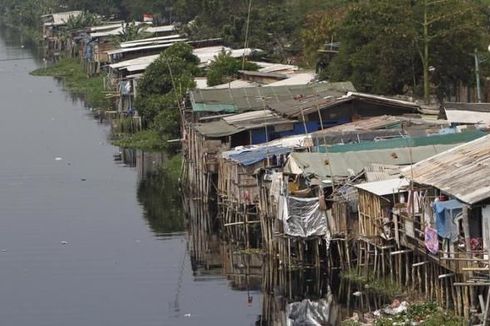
{"x":303,"y":217}
{"x":312,"y":313}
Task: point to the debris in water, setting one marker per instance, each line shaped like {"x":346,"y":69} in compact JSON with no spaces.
{"x":187,"y":315}
{"x":58,"y":158}
{"x":64,"y":242}
{"x":4,"y":250}
{"x":357,"y":293}
{"x":83,"y":179}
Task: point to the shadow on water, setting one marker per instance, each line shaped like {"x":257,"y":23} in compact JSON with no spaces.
{"x":157,"y":191}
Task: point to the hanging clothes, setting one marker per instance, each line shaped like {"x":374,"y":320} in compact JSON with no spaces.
{"x":431,"y":240}
{"x":447,"y":212}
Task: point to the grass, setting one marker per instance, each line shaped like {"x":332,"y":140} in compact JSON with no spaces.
{"x":381,"y":286}
{"x":428,"y":314}
{"x":147,"y":140}
{"x":91,"y":89}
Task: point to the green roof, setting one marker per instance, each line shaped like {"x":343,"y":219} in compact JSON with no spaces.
{"x":405,"y":142}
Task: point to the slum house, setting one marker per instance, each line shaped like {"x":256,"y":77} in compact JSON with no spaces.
{"x":54,"y":31}
{"x":446,"y":222}
{"x":318,"y":112}
{"x":204,"y":138}
{"x":269,"y":179}
{"x":338,"y":171}
{"x":122,"y":77}
{"x":100,"y":40}
{"x":207,"y":104}
{"x":127,"y":53}
{"x":239,"y":192}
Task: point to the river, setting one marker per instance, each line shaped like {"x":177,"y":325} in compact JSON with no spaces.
{"x":85,"y":240}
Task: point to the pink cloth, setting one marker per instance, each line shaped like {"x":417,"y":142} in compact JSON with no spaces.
{"x":431,"y":240}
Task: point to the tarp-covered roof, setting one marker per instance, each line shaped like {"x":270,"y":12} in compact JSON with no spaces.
{"x":345,"y":164}
{"x":463,"y":171}
{"x":251,"y":156}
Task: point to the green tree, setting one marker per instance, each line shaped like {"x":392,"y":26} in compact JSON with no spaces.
{"x":164,"y":86}
{"x":388,"y":46}
{"x":225,"y":68}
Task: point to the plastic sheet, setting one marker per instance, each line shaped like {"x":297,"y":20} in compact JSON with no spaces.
{"x":311,"y":313}
{"x":303,"y":217}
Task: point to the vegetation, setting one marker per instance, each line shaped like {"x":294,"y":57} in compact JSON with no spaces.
{"x":381,"y":286}
{"x":158,"y":194}
{"x":130,"y":32}
{"x":147,"y":140}
{"x":427,"y":314}
{"x":225,"y":68}
{"x":76,"y":80}
{"x":162,"y":89}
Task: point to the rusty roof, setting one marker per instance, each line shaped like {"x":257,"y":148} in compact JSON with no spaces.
{"x":463,"y":171}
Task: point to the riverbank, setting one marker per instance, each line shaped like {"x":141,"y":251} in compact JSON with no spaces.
{"x":75,"y":80}
{"x":91,"y":90}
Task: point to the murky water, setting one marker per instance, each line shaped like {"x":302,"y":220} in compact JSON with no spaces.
{"x":86,"y":240}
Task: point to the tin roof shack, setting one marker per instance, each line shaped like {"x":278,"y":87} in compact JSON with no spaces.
{"x":320,"y":111}
{"x":100,"y":41}
{"x":445,"y":223}
{"x":206,"y":102}
{"x":342,"y":166}
{"x":54,"y":26}
{"x":452,"y":197}
{"x":239,"y":192}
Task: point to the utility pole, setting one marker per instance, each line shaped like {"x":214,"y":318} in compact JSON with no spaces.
{"x":425,"y":61}
{"x":477,"y":75}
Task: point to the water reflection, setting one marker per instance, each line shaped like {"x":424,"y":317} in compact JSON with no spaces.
{"x":157,"y":191}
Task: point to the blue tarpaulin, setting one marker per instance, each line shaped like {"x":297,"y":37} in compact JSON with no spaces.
{"x":446,"y":214}
{"x":251,"y":156}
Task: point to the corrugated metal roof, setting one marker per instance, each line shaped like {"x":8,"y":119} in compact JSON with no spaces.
{"x":60,"y":18}
{"x":463,"y":172}
{"x":457,"y":138}
{"x":473,"y":107}
{"x":163,"y":45}
{"x":160,"y":29}
{"x":302,"y":78}
{"x":256,"y":98}
{"x":373,"y":123}
{"x":273,"y":75}
{"x":233,"y":124}
{"x":137,"y":61}
{"x":153,"y":40}
{"x":468,"y":117}
{"x":333,"y":97}
{"x":325,"y":165}
{"x":385,"y":187}
{"x":379,"y":172}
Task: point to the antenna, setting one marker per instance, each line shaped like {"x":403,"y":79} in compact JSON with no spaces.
{"x":245,"y":45}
